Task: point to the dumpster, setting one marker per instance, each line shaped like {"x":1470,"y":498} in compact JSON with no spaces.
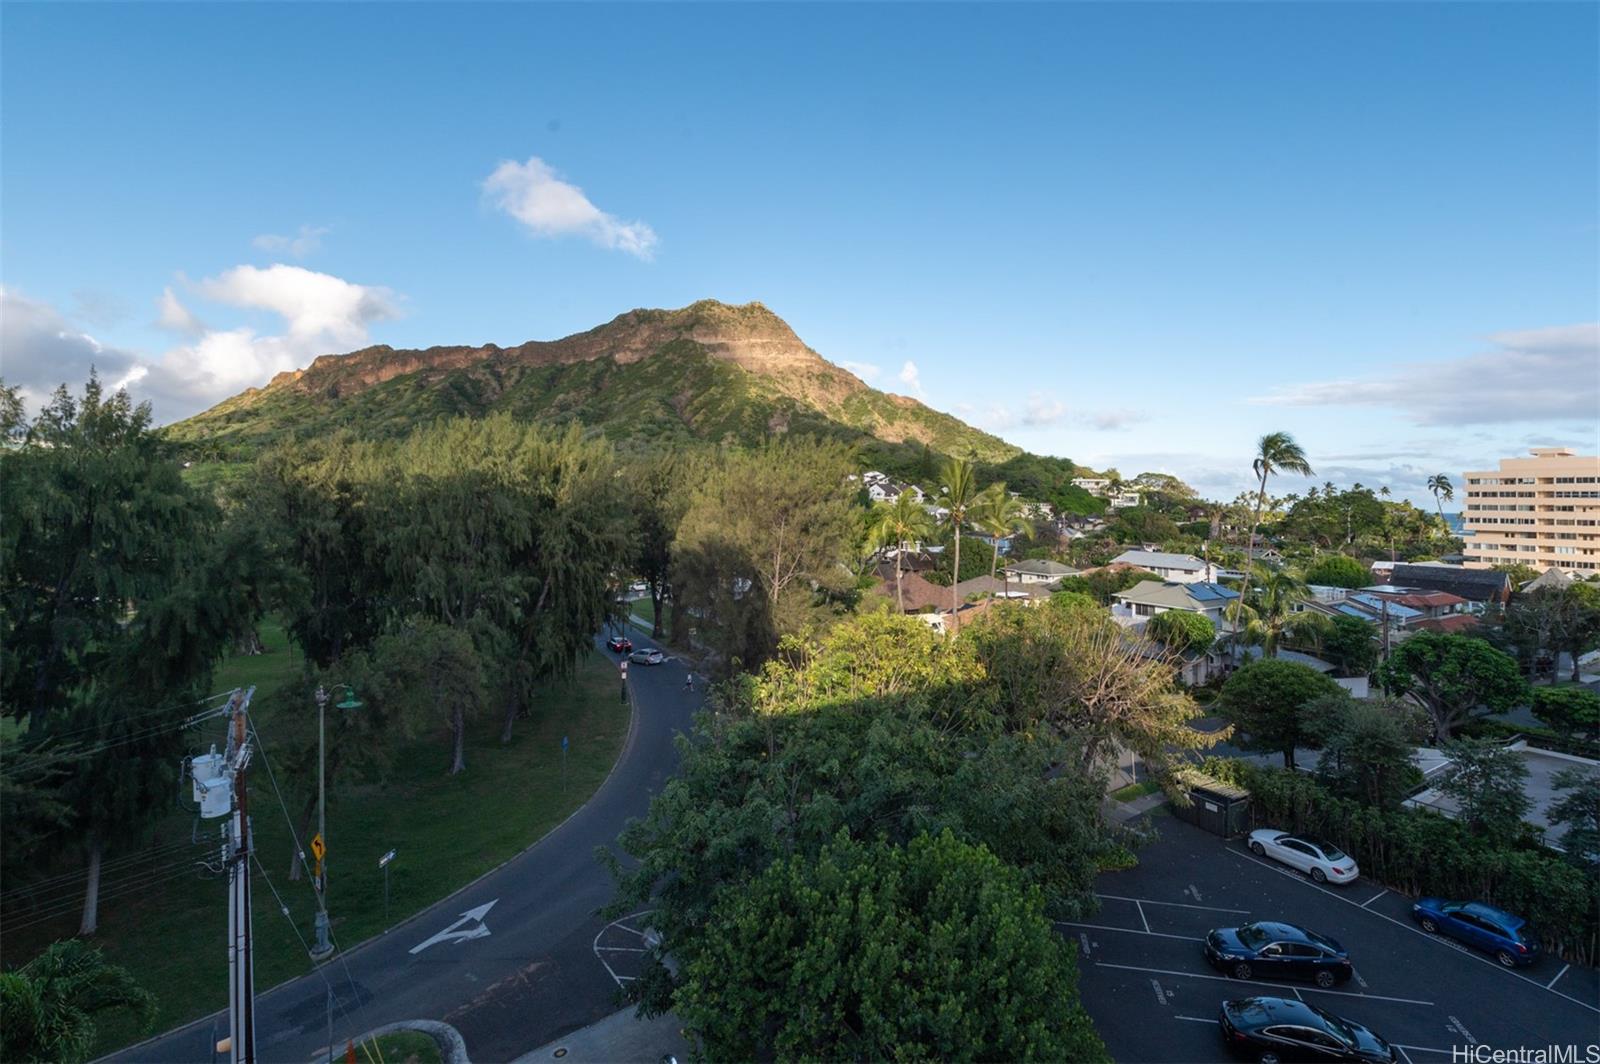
{"x":1220,"y":808}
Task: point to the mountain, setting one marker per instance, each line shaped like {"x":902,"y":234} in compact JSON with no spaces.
{"x":709,"y":372}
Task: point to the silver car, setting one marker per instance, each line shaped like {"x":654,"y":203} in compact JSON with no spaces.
{"x":1322,"y":861}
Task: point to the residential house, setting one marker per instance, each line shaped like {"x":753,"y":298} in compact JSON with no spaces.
{"x":1125,"y":499}
{"x":1142,"y":601}
{"x":1177,"y":568}
{"x":1481,"y":587}
{"x":1092,"y":485}
{"x":1038,"y":571}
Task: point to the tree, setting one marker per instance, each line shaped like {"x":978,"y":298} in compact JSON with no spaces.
{"x":1272,"y":615}
{"x":1337,"y":570}
{"x":1142,"y":524}
{"x":13,"y":416}
{"x":999,"y":515}
{"x":117,"y":597}
{"x":426,"y":671}
{"x":1180,"y":630}
{"x":763,"y":530}
{"x":1452,"y":676}
{"x":958,"y":491}
{"x":1441,"y":488}
{"x":1076,"y":674}
{"x":897,"y":524}
{"x":659,"y":491}
{"x":51,"y":1003}
{"x":1569,"y":711}
{"x":1103,"y":583}
{"x":871,"y":951}
{"x":1486,"y":781}
{"x":1367,"y":749}
{"x":1578,"y":811}
{"x":1351,"y":645}
{"x":1576,"y":627}
{"x":1276,"y":452}
{"x":1267,"y":701}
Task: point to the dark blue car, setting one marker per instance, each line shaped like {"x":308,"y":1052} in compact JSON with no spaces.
{"x":1265,"y":950}
{"x":1508,"y":938}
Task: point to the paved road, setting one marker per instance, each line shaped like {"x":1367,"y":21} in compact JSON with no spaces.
{"x":533,"y":978}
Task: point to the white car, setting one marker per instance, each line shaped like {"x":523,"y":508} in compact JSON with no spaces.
{"x":647,"y":656}
{"x":638,"y":585}
{"x":1322,"y":861}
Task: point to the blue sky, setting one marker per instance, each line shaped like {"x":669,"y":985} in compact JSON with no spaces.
{"x":1137,"y":235}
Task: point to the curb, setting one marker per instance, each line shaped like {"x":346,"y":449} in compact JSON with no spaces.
{"x":452,"y":1047}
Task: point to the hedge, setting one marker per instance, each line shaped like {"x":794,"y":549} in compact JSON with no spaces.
{"x":1417,"y":852}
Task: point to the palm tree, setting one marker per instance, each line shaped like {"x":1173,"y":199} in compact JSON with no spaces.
{"x":50,"y":1002}
{"x":959,"y":490}
{"x":1441,"y":487}
{"x":900,"y":522}
{"x":1272,"y":614}
{"x":998,"y":514}
{"x":1275,"y":453}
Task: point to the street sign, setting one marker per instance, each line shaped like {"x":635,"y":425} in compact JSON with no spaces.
{"x":385,"y":859}
{"x":318,"y":848}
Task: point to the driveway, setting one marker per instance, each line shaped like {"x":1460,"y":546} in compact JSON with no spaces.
{"x":530,"y":977}
{"x":1154,"y":998}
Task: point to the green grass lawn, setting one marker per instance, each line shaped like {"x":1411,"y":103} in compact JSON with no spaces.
{"x":1135,"y":790}
{"x":400,"y":1047}
{"x":644,"y":609}
{"x":170,"y":932}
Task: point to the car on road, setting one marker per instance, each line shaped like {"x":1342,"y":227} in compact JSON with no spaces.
{"x":1508,"y":938}
{"x":1269,"y":950}
{"x":1271,"y":1029}
{"x":647,"y":656}
{"x":1322,"y":861}
{"x":638,"y":585}
{"x":619,"y":644}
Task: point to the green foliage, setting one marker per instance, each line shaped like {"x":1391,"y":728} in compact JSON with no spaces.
{"x":1102,"y":584}
{"x":1142,"y":524}
{"x":974,"y":560}
{"x":1520,"y":572}
{"x":1578,"y":810}
{"x":1452,"y":676}
{"x":1180,"y":630}
{"x":1350,"y":645}
{"x":1337,"y":570}
{"x":1075,"y":601}
{"x":885,"y":729}
{"x":1486,"y":780}
{"x":1366,"y":749}
{"x":895,"y":526}
{"x":658,"y":491}
{"x":1266,"y":700}
{"x":50,"y":1004}
{"x":1415,"y":851}
{"x":1569,"y":711}
{"x":762,"y":533}
{"x":872,"y":951}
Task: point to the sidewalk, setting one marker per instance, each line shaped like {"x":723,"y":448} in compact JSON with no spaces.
{"x":620,"y":1038}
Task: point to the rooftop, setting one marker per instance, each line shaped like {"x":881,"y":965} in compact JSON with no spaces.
{"x":1147,"y":559}
{"x":1197,"y":596}
{"x":1042,"y":566}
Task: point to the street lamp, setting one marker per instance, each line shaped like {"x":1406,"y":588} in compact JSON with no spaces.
{"x":319,"y":845}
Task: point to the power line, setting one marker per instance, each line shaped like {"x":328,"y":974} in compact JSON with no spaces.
{"x":47,"y":735}
{"x":24,"y":764}
{"x":122,"y":890}
{"x":39,"y":893}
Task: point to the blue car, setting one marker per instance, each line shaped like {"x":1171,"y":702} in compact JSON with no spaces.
{"x":1510,"y":939}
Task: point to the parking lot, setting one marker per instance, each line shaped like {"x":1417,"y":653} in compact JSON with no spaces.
{"x":1146,"y":983}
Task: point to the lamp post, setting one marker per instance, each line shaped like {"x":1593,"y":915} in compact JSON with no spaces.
{"x":324,"y":947}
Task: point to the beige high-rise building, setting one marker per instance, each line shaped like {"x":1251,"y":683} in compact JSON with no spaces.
{"x":1542,"y":511}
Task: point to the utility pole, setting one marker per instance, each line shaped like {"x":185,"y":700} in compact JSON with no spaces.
{"x":241,"y":959}
{"x":323,"y":948}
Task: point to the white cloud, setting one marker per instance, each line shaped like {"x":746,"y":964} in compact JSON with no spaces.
{"x":175,"y":317}
{"x":1116,"y":420}
{"x":911,"y":377}
{"x":303,"y":243}
{"x":314,"y":305}
{"x":1042,"y":410}
{"x":534,"y":195}
{"x":321,"y":314}
{"x":865,"y":370}
{"x":1534,"y":375}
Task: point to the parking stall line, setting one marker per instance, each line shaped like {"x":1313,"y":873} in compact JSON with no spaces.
{"x":1557,"y":979}
{"x":1195,"y":1019}
{"x":1142,"y":920}
{"x":1422,"y":1049}
{"x":1174,"y":904}
{"x":1414,"y":930}
{"x":1402,"y":1053}
{"x":1130,"y":931}
{"x":1375,"y":897}
{"x":1257,"y":982}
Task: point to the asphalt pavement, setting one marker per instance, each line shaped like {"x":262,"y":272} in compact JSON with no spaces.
{"x":1144,"y":980}
{"x":510,"y":959}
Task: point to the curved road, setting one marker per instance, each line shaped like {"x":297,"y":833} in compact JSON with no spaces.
{"x":532,"y":979}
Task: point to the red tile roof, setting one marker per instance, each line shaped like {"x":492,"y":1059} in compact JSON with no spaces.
{"x":1453,"y":622}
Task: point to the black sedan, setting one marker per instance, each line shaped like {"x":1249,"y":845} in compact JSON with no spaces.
{"x":1278,"y":951}
{"x":1272,"y":1029}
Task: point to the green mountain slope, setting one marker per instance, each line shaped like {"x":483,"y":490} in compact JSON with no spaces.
{"x":708,"y":372}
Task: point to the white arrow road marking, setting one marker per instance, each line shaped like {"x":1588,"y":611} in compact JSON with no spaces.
{"x":450,"y":934}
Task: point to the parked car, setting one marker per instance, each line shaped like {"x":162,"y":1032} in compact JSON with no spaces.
{"x":1271,"y":1029}
{"x":638,"y":585}
{"x":647,"y":656}
{"x":1322,"y":861}
{"x":619,"y":644}
{"x":1278,"y":951}
{"x":1510,"y":939}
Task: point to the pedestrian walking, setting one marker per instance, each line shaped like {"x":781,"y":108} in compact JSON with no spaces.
{"x":688,"y":681}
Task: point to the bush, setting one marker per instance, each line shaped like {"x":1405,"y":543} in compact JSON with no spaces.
{"x":1336,"y":570}
{"x":1415,"y":852}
